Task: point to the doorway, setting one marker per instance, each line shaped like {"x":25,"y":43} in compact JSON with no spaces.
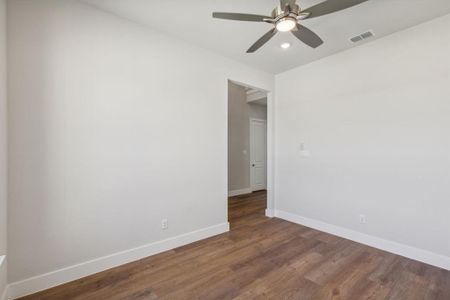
{"x":247,"y":153}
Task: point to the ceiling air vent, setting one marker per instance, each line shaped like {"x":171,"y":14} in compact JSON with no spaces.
{"x":361,"y":37}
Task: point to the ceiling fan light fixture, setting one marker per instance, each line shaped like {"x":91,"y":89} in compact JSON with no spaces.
{"x":286,"y":24}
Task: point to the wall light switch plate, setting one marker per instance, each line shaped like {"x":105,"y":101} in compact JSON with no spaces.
{"x":303,"y":151}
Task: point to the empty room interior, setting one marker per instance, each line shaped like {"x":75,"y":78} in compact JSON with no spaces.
{"x":226,"y":149}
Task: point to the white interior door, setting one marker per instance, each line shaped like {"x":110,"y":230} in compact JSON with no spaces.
{"x":258,"y":154}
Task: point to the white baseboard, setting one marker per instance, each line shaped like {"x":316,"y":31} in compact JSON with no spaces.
{"x":239,"y":192}
{"x":270,"y":213}
{"x":58,"y":277}
{"x":418,"y":254}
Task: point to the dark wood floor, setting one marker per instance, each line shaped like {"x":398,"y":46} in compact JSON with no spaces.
{"x":262,"y":258}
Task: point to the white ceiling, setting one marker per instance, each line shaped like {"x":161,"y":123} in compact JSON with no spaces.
{"x":191,"y":21}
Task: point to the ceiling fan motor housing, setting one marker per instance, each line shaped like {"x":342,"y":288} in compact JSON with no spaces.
{"x":279,"y":12}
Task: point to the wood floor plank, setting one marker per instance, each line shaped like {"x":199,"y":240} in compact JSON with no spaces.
{"x":263,"y":258}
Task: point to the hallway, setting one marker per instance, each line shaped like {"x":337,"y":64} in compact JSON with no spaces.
{"x":246,"y":209}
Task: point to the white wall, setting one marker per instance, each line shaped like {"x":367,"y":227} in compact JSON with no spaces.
{"x":376,"y":120}
{"x":239,"y":114}
{"x":113,"y":127}
{"x":3,"y":164}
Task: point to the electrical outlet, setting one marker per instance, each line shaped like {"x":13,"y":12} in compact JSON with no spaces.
{"x":303,"y":151}
{"x":164,"y":224}
{"x":362,"y":219}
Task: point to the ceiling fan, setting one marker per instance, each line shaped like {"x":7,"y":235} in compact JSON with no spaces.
{"x":285,"y":18}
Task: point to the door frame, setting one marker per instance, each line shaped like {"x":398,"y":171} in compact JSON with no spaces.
{"x":270,"y":167}
{"x":251,"y":151}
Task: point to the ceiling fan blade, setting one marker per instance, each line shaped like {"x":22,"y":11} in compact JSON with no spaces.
{"x":239,"y":17}
{"x":331,"y":6}
{"x":264,"y":39}
{"x":307,"y":36}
